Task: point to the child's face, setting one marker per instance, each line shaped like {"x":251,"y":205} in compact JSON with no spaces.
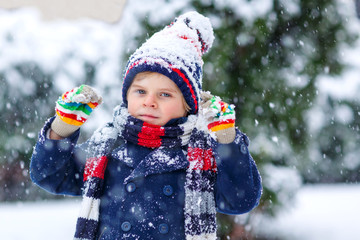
{"x":155,"y":99}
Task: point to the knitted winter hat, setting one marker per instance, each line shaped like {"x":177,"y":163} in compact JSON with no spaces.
{"x":176,"y":52}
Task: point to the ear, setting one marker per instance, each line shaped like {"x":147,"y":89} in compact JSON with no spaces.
{"x":186,"y":106}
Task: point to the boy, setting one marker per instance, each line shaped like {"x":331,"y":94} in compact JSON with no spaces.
{"x":167,"y":162}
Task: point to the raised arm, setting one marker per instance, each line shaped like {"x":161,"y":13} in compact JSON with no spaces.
{"x":57,"y":165}
{"x":238,"y":185}
{"x":57,"y":162}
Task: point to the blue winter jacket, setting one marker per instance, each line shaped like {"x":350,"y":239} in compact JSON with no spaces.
{"x":137,"y":207}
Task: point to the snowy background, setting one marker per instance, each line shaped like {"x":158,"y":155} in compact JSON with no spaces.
{"x":320,"y":212}
{"x":316,"y":212}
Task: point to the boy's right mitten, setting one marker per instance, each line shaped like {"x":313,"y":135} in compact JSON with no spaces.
{"x":73,"y":109}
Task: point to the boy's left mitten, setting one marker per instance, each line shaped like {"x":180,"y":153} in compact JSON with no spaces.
{"x":220,"y":116}
{"x":73,"y":108}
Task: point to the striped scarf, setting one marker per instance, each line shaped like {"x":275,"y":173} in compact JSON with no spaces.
{"x":199,"y":210}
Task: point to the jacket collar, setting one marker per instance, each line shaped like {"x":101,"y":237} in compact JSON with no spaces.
{"x":158,"y":161}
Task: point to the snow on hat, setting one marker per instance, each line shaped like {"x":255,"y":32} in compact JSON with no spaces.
{"x":176,"y":52}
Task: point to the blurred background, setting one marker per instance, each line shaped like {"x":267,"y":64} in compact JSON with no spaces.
{"x":292,"y":69}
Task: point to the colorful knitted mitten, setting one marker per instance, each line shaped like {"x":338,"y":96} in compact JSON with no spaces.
{"x":73,"y":108}
{"x":221,"y":117}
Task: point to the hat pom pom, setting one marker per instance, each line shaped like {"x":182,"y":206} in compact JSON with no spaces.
{"x":202,"y":25}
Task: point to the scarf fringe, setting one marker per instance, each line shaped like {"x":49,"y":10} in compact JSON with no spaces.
{"x":200,"y":210}
{"x":206,"y":236}
{"x":88,"y":220}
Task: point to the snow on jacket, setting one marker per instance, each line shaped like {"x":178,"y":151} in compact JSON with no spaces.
{"x":142,"y":199}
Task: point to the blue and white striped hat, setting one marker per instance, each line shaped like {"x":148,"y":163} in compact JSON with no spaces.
{"x":176,"y":52}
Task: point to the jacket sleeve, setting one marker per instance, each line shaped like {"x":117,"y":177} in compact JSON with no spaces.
{"x":238,"y":185}
{"x":57,"y":165}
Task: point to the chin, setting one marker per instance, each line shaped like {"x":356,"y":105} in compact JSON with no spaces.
{"x":153,"y":122}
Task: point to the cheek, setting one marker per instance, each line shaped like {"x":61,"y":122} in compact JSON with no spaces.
{"x":131,"y":105}
{"x":130,"y":109}
{"x":177,"y":109}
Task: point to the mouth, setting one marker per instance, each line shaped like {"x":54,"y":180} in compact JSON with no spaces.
{"x":148,"y":116}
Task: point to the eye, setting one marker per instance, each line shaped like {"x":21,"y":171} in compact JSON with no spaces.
{"x":165,"y":95}
{"x":140,"y":91}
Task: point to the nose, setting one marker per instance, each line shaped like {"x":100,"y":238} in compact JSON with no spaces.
{"x":150,"y":101}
